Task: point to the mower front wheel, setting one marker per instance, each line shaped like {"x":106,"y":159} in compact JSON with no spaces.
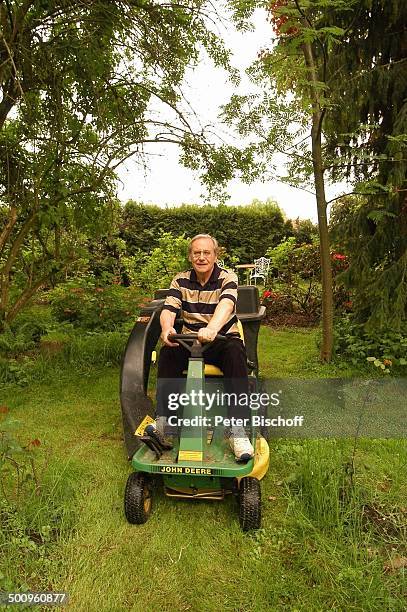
{"x":249,"y":504}
{"x":137,"y":498}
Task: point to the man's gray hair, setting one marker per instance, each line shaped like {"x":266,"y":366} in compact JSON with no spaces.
{"x":198,"y":236}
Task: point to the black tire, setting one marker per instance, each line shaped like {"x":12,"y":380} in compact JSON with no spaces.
{"x":137,"y":498}
{"x":249,"y":504}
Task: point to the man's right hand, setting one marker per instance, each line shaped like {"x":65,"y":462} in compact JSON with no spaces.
{"x":164,"y":336}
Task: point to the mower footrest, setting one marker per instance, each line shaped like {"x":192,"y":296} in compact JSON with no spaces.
{"x":152,"y":445}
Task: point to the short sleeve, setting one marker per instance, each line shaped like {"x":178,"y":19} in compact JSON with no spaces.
{"x":229,"y":288}
{"x":173,"y":300}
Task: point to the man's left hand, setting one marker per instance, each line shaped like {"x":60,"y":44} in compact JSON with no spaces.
{"x":207,"y":334}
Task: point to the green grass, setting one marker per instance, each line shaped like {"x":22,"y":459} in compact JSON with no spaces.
{"x":317,"y":549}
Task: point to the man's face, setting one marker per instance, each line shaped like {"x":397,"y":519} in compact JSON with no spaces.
{"x":202,"y":255}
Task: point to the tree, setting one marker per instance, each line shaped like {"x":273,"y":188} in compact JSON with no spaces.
{"x":83,"y":85}
{"x":368,"y":141}
{"x":326,"y":53}
{"x":296,"y":97}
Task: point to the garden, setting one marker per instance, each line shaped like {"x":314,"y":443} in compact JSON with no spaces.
{"x":77,"y":265}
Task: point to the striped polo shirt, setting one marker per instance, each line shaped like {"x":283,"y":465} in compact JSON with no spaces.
{"x":196,"y":303}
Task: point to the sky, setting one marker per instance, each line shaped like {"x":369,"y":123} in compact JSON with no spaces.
{"x":166,"y":182}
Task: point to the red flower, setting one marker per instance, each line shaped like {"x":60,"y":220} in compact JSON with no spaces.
{"x":267,"y":294}
{"x":348,"y":304}
{"x":35,"y":442}
{"x":3,"y":410}
{"x":338,"y":257}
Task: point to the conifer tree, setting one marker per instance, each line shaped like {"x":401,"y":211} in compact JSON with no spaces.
{"x":365,"y":132}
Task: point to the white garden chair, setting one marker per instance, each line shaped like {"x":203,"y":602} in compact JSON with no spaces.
{"x":260,"y":270}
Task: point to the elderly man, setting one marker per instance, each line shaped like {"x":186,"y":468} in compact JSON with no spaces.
{"x":206,"y":295}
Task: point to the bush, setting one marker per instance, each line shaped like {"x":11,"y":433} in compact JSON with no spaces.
{"x":244,"y":231}
{"x":295,"y":285}
{"x":384,"y":349}
{"x":159,"y":267}
{"x":25,"y":331}
{"x":86,"y":305}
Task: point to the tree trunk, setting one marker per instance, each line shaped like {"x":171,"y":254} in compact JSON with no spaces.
{"x":326,"y":268}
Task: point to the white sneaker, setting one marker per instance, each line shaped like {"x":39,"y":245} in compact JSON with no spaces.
{"x":241,"y":445}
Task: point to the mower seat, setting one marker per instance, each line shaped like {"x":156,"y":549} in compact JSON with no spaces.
{"x":212,"y":370}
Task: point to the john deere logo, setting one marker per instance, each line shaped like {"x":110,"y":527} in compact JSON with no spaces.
{"x":173,"y":469}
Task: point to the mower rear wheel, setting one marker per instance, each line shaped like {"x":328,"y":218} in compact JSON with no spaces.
{"x":137,"y":498}
{"x":249,"y":504}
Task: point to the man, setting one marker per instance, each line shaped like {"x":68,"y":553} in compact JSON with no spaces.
{"x":206,"y":296}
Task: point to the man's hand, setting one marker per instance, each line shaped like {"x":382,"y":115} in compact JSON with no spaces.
{"x":207,"y":334}
{"x":164,"y":336}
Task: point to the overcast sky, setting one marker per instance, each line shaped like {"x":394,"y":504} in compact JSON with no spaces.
{"x":167,"y":182}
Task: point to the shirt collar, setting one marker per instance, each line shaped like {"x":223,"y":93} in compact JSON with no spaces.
{"x":213,"y":277}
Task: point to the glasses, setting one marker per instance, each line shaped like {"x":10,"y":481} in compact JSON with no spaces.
{"x":203,"y":254}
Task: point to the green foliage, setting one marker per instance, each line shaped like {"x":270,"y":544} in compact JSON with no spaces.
{"x":294,"y":284}
{"x":244,"y":231}
{"x":25,"y":331}
{"x":86,"y":304}
{"x":280,"y":255}
{"x":380,"y":348}
{"x":295,"y":280}
{"x":159,"y":267}
{"x":368,"y":140}
{"x":83,"y":86}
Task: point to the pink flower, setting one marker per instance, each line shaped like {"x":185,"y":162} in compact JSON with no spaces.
{"x":338,"y":257}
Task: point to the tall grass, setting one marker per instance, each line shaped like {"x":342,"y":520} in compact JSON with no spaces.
{"x":77,"y":350}
{"x":34,"y":525}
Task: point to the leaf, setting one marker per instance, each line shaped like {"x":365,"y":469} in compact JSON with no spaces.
{"x":378,"y":215}
{"x":333,"y":30}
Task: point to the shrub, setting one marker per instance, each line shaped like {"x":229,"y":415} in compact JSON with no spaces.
{"x":93,"y":307}
{"x":163,"y":263}
{"x":244,"y":231}
{"x":388,"y":348}
{"x":276,"y":303}
{"x":296,"y":273}
{"x":25,"y":331}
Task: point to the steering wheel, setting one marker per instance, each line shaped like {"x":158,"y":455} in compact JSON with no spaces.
{"x":194,"y":347}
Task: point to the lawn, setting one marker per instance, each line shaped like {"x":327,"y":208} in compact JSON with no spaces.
{"x":333,"y":534}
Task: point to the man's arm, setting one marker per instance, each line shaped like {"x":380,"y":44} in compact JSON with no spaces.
{"x":221,"y":316}
{"x":167,"y":320}
{"x":171,"y":307}
{"x":226,"y":307}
